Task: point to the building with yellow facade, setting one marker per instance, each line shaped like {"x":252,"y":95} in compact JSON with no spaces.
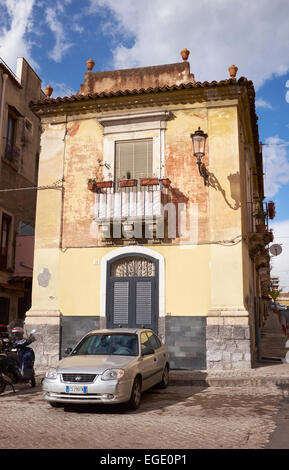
{"x":134,"y":229}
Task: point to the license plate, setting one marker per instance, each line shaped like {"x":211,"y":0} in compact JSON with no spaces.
{"x":76,"y":389}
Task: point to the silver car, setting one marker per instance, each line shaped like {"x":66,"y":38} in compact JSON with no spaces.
{"x":109,"y":366}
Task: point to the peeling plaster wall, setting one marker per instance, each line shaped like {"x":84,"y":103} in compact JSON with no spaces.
{"x":204,"y":281}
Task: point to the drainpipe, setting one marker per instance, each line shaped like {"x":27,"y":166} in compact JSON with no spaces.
{"x":4,"y":79}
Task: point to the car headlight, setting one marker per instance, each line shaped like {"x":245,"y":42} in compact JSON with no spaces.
{"x":51,"y":374}
{"x":112,"y":374}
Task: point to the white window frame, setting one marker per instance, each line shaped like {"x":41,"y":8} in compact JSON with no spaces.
{"x":136,"y":126}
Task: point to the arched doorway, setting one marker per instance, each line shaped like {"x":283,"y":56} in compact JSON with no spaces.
{"x":132,"y":292}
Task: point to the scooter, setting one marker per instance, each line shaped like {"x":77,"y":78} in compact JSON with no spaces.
{"x":4,"y":379}
{"x":17,"y":363}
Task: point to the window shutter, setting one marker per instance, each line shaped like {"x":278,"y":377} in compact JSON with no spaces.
{"x":143,"y":302}
{"x":120,"y":303}
{"x":136,"y":157}
{"x":124,"y":159}
{"x":143,"y":162}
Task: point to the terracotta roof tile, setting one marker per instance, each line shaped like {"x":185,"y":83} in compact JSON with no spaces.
{"x":110,"y":94}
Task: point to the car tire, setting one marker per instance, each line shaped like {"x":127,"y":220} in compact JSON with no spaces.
{"x":135,"y":398}
{"x":2,"y":385}
{"x":55,"y":404}
{"x":33,"y":381}
{"x":165,"y":378}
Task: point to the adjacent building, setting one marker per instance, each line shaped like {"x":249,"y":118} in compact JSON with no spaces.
{"x":157,"y":219}
{"x":19,"y":157}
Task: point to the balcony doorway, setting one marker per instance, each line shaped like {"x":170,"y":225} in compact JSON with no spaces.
{"x":132,"y":292}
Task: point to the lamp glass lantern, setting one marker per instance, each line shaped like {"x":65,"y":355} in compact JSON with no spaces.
{"x":199,"y":143}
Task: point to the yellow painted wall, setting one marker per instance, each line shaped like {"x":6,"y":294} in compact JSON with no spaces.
{"x":197,"y":279}
{"x":187,"y":275}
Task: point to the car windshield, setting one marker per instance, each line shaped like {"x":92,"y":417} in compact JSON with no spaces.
{"x":108,"y":344}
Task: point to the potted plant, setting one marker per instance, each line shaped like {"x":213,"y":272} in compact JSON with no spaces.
{"x":166,"y":182}
{"x":103,"y":184}
{"x":260,"y":217}
{"x":271,"y":210}
{"x":128,"y":182}
{"x":91,"y":184}
{"x":149,"y":181}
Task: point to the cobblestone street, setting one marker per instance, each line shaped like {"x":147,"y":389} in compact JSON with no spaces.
{"x":180,"y":417}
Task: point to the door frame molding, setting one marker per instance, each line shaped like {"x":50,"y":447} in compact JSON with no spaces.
{"x":127,"y":251}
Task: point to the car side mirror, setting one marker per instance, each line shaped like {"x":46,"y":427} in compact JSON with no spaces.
{"x":148,"y":351}
{"x":68,"y":351}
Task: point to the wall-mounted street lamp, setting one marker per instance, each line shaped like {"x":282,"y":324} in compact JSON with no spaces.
{"x":199,"y":144}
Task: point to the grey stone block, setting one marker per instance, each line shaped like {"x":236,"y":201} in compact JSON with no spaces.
{"x":238,"y":332}
{"x":237,"y":357}
{"x":73,"y":328}
{"x":186,"y":340}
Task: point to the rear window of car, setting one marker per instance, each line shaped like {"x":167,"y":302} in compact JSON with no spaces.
{"x":108,"y":344}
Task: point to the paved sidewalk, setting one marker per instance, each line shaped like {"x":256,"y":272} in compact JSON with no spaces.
{"x":264,"y":373}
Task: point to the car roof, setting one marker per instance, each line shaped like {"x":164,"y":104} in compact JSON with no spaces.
{"x":120,"y":330}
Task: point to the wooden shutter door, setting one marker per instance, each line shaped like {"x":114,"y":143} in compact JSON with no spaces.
{"x":136,"y":157}
{"x":120,"y":305}
{"x":143,"y":302}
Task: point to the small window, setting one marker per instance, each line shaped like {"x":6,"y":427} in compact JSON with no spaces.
{"x":10,"y":137}
{"x":5,"y":236}
{"x":134,"y":159}
{"x":154,"y":340}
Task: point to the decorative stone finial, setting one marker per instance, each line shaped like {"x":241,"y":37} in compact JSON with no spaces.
{"x":185,"y":54}
{"x":48,"y":91}
{"x":233,"y":71}
{"x":90,"y":64}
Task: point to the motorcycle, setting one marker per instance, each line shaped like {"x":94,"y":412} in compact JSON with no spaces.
{"x":17,"y":359}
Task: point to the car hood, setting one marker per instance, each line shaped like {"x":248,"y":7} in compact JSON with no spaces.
{"x":93,"y":364}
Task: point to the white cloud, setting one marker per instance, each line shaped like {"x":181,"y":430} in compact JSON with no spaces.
{"x":275,"y":164}
{"x":57,"y":28}
{"x":260,"y":103}
{"x":287,"y":93}
{"x":218,"y":33}
{"x":16,"y":16}
{"x":280,"y":264}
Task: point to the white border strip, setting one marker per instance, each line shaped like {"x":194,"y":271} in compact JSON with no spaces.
{"x":126,"y":251}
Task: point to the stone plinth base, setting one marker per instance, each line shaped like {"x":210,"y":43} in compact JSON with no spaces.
{"x":228,"y":342}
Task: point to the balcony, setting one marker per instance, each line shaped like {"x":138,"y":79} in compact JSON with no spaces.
{"x":131,"y":200}
{"x":259,"y":235}
{"x":132,"y":209}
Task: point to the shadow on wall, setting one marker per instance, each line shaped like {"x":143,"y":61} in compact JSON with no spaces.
{"x":234,"y":180}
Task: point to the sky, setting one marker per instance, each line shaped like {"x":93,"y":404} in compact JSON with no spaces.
{"x":59,"y":36}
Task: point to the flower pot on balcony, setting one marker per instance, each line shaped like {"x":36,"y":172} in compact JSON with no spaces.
{"x":91,"y":186}
{"x":166,"y":182}
{"x":103,"y":184}
{"x":149,"y":181}
{"x":261,"y":228}
{"x":127,"y":183}
{"x":271,"y":210}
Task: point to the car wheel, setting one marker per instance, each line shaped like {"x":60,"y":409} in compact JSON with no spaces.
{"x":32,"y":380}
{"x":165,"y":378}
{"x":55,"y":404}
{"x":135,"y":397}
{"x":2,"y":385}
